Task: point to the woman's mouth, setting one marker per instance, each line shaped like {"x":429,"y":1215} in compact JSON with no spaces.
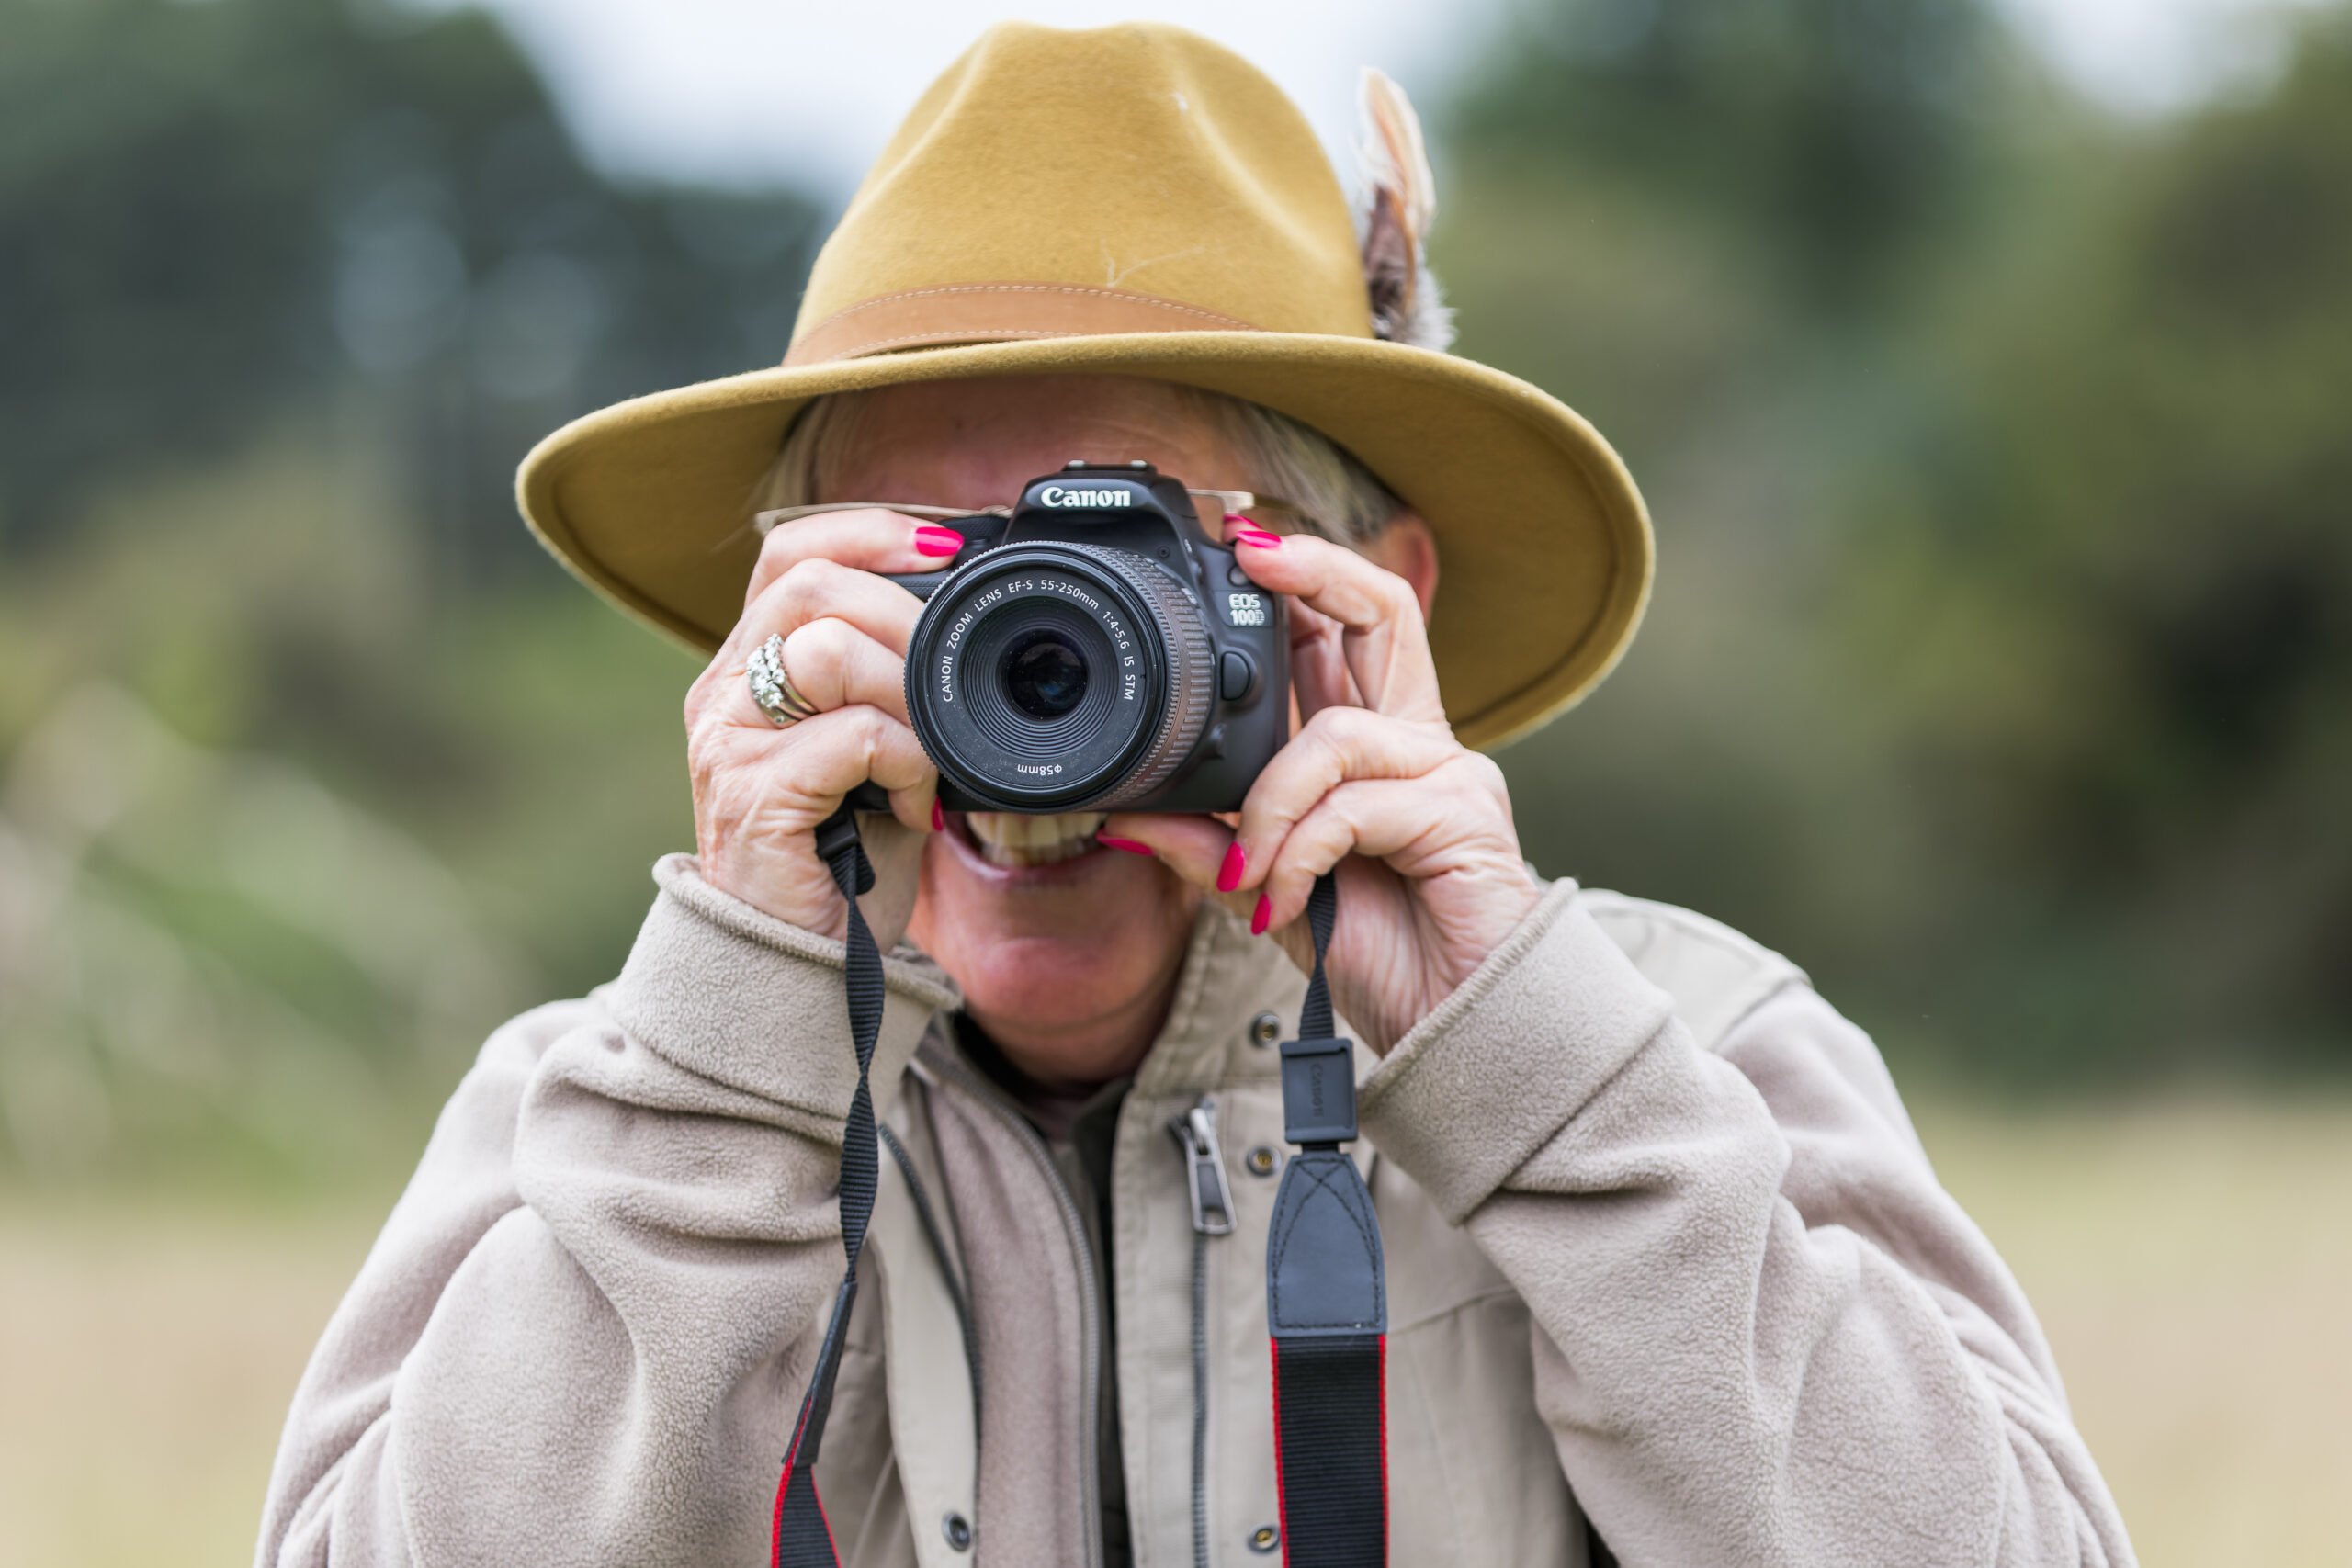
{"x":1007,"y":840}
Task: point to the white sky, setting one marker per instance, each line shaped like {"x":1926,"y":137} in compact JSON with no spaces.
{"x":805,"y":91}
{"x":2154,"y":56}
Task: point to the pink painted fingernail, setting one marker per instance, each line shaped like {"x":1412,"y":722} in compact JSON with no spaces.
{"x":1129,"y":845}
{"x":933,"y":541}
{"x":1264,"y":541}
{"x":1228,"y":876}
{"x":938,"y":817}
{"x":1261,"y":914}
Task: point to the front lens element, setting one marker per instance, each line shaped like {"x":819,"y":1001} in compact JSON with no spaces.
{"x":1043,"y":676}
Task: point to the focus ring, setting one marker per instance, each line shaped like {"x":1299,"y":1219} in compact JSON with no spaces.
{"x":1191,"y":673}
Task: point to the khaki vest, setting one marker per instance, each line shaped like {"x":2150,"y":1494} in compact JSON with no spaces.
{"x":1472,"y":1473}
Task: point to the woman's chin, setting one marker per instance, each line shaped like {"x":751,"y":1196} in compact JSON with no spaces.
{"x":1052,"y":947}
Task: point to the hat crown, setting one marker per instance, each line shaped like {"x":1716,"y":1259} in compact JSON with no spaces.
{"x":1124,"y":169}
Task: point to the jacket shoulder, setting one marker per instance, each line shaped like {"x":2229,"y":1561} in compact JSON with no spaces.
{"x":1715,"y":975}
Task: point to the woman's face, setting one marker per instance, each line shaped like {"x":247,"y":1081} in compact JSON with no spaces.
{"x":1067,"y":950}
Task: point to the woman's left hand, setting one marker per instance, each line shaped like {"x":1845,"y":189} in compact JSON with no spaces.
{"x":1430,"y":871}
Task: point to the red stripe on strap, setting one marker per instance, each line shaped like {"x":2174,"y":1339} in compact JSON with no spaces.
{"x":783,"y":1485}
{"x":1282,"y":1511}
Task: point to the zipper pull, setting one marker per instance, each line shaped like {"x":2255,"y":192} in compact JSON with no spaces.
{"x":1195,"y":1135}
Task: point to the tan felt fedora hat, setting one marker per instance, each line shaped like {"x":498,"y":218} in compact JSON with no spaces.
{"x":1130,"y":200}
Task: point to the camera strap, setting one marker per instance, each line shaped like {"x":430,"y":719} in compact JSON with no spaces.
{"x":801,"y":1538}
{"x":1325,"y":1293}
{"x":1326,"y":1299}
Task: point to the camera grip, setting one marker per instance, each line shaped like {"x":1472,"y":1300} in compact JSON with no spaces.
{"x":980,"y":530}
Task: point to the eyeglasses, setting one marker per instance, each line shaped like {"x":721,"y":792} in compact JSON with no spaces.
{"x":1229,"y":504}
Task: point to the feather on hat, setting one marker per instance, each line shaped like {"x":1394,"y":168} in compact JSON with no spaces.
{"x":1400,"y":200}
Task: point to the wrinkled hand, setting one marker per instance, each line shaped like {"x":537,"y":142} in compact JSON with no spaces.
{"x":760,"y":792}
{"x":1430,"y":872}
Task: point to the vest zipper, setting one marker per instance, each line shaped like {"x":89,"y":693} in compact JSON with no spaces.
{"x":1195,"y":1135}
{"x":1089,"y":1307}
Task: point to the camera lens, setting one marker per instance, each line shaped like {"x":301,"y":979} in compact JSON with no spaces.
{"x":1043,"y":675}
{"x":1053,"y":676}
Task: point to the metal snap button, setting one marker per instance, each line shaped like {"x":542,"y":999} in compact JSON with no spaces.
{"x":1265,"y":1028}
{"x":958,"y":1530}
{"x":1262,"y":1161}
{"x":1264,"y":1539}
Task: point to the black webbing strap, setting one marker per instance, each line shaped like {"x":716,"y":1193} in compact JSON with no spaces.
{"x":1326,"y":1301}
{"x":1326,"y":1295}
{"x":801,"y":1538}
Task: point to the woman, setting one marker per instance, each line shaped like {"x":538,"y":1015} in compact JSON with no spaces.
{"x":1667,"y":1269}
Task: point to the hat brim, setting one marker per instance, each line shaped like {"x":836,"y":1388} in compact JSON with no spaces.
{"x":1544,"y":544}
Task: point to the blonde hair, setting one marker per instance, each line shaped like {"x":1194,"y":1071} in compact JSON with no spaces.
{"x":1335,"y":494}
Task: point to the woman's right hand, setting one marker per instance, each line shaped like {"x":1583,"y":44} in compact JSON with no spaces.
{"x":760,"y":792}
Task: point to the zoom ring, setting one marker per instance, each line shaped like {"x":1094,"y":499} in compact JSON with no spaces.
{"x":1191,"y":673}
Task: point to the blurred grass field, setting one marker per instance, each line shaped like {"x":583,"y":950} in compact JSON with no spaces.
{"x":2189,"y":1259}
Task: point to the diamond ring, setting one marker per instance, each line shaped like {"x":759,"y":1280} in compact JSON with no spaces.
{"x":772,"y":688}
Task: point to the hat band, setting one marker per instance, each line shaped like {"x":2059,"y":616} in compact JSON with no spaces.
{"x":994,"y":312}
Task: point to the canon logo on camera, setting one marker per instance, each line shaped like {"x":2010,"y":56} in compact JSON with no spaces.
{"x":1058,"y":495}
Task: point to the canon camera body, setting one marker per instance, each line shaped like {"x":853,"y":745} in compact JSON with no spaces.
{"x":1097,"y":649}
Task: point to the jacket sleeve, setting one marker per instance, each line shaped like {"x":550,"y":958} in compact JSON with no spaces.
{"x":584,"y":1331}
{"x":1763,"y":1333}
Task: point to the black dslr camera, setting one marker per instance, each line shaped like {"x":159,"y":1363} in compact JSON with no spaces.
{"x":1097,"y":649}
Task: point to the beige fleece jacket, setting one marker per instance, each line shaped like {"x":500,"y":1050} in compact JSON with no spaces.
{"x":1662,"y":1249}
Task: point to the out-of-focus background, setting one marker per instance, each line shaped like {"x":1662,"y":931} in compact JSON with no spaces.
{"x":1988,"y":366}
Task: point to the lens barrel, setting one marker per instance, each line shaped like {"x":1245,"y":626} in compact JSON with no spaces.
{"x":1058,"y":676}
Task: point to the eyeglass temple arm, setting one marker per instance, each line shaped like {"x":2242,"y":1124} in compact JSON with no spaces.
{"x":1227,"y":499}
{"x":761,"y":521}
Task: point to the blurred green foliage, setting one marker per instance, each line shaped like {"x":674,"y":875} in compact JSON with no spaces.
{"x":2001,"y":663}
{"x":1997,"y":671}
{"x":2108,"y":576}
{"x":1821,"y":138}
{"x":212,"y":213}
{"x":287,"y":288}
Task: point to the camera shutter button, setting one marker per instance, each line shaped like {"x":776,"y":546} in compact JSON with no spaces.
{"x":1235,"y":675}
